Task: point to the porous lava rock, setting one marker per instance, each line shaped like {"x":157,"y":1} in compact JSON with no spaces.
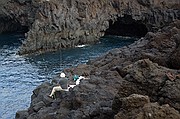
{"x":139,"y":107}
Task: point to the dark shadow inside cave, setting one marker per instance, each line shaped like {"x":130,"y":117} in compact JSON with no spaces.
{"x":126,"y":26}
{"x":9,"y":25}
{"x":12,"y":33}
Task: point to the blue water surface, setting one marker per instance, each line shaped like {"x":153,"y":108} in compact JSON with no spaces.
{"x":19,"y":75}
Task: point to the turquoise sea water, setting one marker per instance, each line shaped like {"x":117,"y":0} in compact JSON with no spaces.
{"x":19,"y":75}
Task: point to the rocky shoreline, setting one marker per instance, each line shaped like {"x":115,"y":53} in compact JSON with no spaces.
{"x":56,"y":24}
{"x":129,"y":82}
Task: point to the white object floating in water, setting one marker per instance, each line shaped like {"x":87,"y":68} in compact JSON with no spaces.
{"x":80,"y":46}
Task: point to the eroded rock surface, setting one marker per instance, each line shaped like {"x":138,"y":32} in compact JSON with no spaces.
{"x":147,"y":78}
{"x":55,"y":24}
{"x":139,"y":107}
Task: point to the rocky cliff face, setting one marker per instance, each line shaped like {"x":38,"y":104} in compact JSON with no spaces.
{"x":55,"y":24}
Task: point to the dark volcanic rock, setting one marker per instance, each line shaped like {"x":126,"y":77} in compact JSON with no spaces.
{"x":147,"y":78}
{"x":158,"y":47}
{"x":139,"y":107}
{"x":22,"y":114}
{"x":92,"y":98}
{"x":114,"y":78}
{"x":14,"y":16}
{"x":56,"y":24}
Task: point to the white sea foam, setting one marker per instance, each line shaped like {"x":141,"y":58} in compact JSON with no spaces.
{"x":80,"y":46}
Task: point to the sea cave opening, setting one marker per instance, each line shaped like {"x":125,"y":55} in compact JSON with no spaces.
{"x":11,"y":32}
{"x":9,"y":25}
{"x":126,"y":26}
